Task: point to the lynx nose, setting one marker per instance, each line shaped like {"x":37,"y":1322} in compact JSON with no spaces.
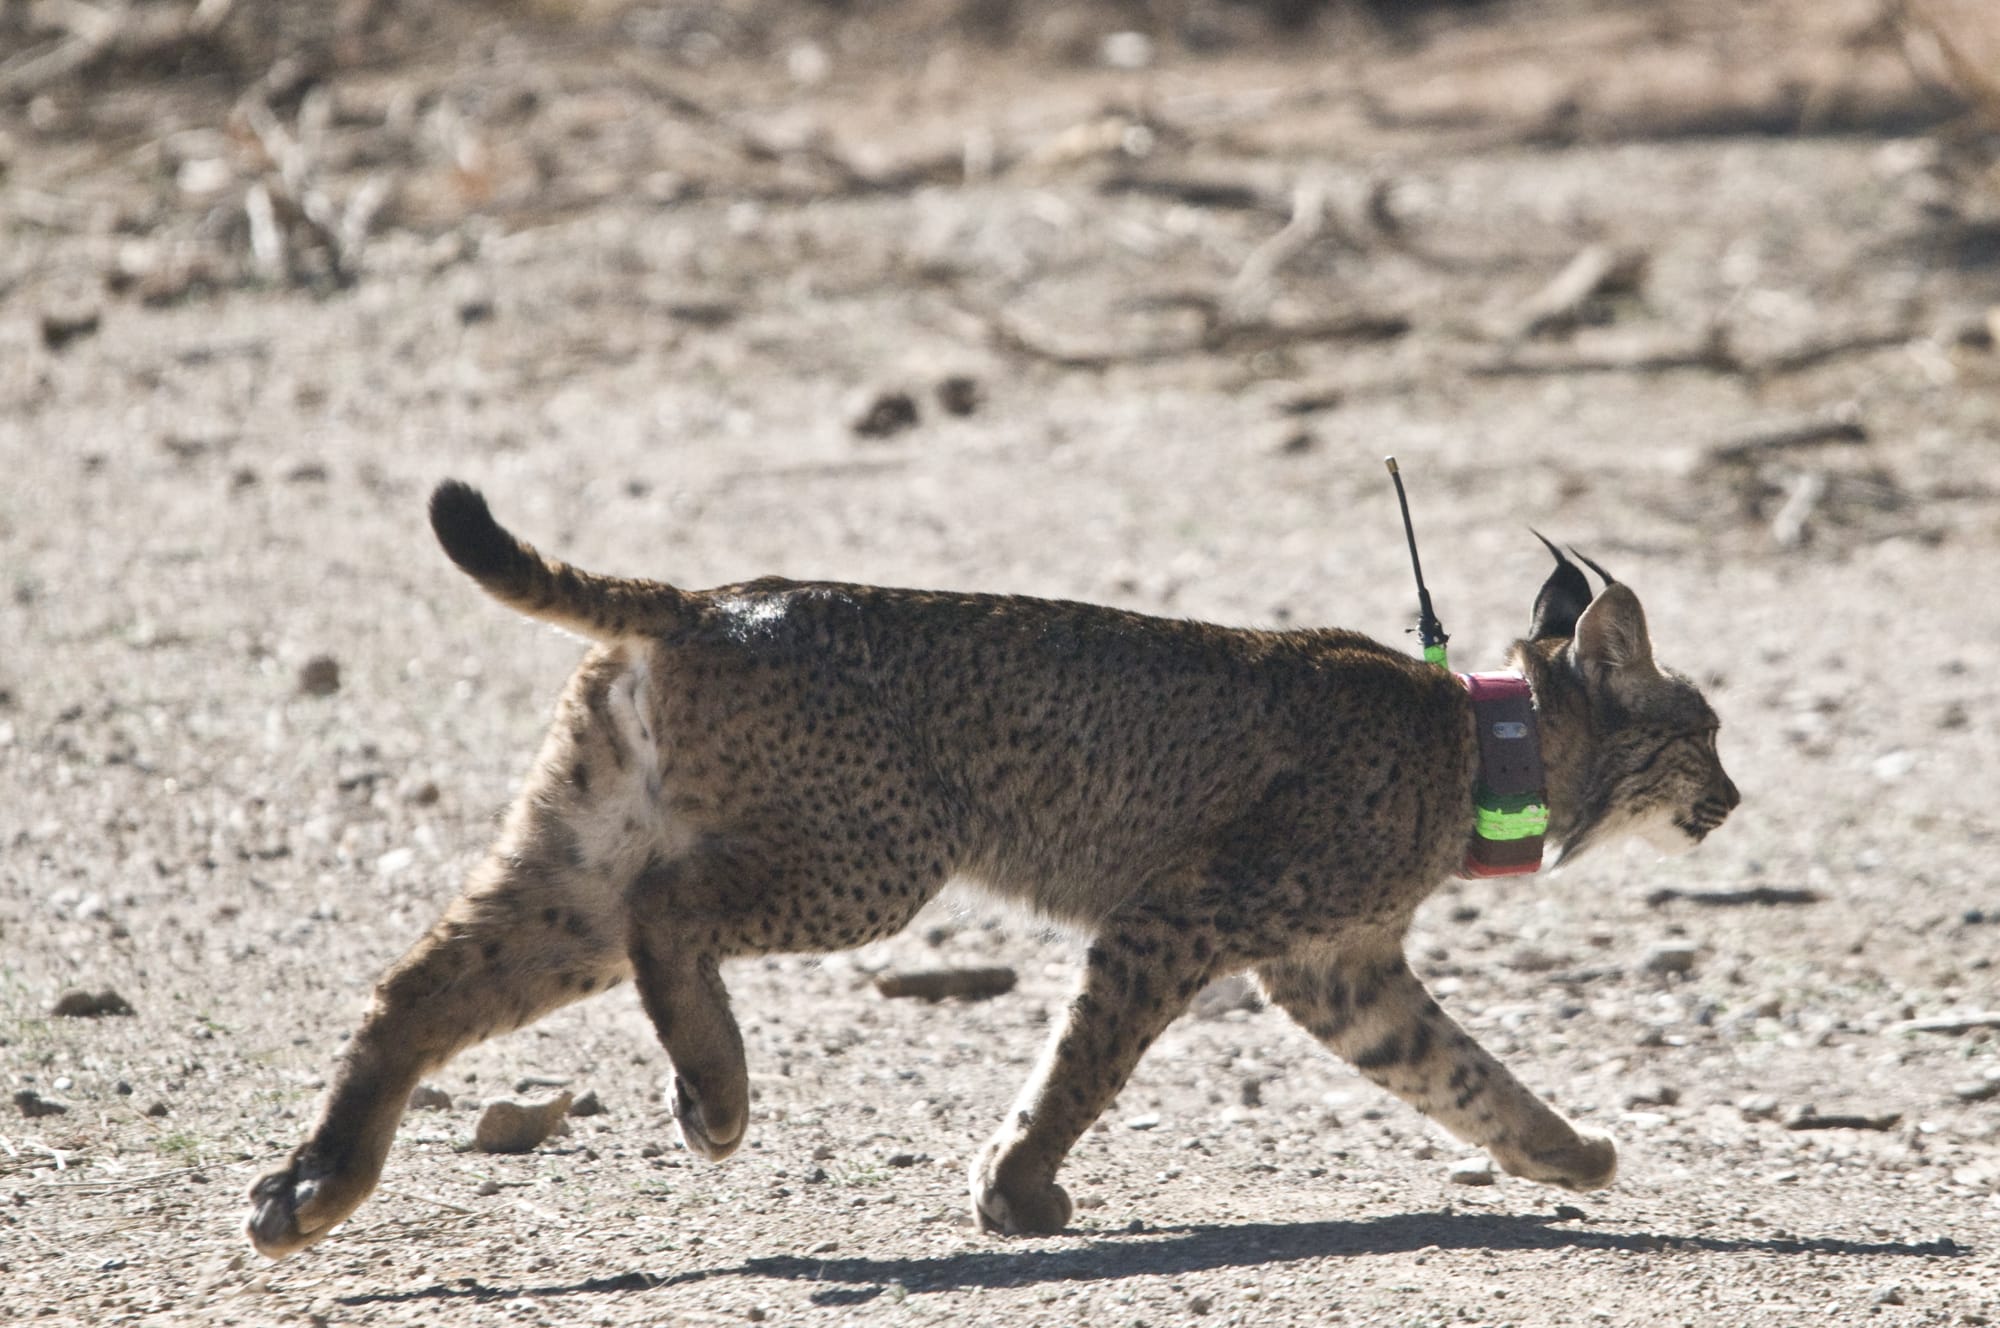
{"x":1731,"y":799}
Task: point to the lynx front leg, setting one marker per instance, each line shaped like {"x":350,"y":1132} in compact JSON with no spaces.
{"x":1373,"y":1011}
{"x":1138,"y":976}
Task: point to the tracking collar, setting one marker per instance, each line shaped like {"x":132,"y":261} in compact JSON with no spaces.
{"x":1510,"y":800}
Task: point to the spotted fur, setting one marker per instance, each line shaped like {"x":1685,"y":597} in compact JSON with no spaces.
{"x":791,"y":766}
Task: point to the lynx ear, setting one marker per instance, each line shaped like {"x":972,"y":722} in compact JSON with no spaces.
{"x":1612,"y":646}
{"x":1563,"y":598}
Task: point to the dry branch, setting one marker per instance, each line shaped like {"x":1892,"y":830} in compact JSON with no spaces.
{"x":1810,"y":1119}
{"x":1597,"y":271}
{"x":1220,"y":335}
{"x":98,"y":37}
{"x":1838,"y":427}
{"x":752,"y":146}
{"x":1256,"y":281}
{"x":1762,"y":895}
{"x":1711,"y":353}
{"x":1951,"y":1023}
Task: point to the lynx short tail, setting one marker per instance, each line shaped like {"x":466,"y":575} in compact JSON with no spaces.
{"x":603,"y":608}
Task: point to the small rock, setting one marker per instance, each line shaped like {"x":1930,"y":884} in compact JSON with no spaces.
{"x":1298,"y":442}
{"x":822,"y":1153}
{"x":424,"y":794}
{"x":1251,"y":1094}
{"x":588,"y":1104}
{"x":1472,"y":1171}
{"x":1569,"y":1213}
{"x":824,"y":1247}
{"x":1126,"y":50}
{"x":158,"y":1110}
{"x":1889,"y":1295}
{"x":1758,"y":1106}
{"x":528,"y":1083}
{"x":889,"y":413}
{"x":754,"y":1314}
{"x":487,"y":1188}
{"x":319,"y":676}
{"x":1893,"y":765}
{"x":1654,"y":1095}
{"x":906,"y":1159}
{"x":959,"y":394}
{"x":651,"y":1150}
{"x":429,"y":1097}
{"x":34,"y":1106}
{"x":80,"y":1004}
{"x":1976,"y":1090}
{"x":1671,"y":957}
{"x":62,"y":326}
{"x":935,"y":984}
{"x":1149,"y":1121}
{"x":1223,"y":995}
{"x":122,"y":1088}
{"x":507,"y":1126}
{"x":1199,"y":1304}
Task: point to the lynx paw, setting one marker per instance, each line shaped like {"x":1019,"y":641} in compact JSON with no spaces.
{"x":709,"y":1132}
{"x":1011,"y":1206}
{"x":1587,"y":1161}
{"x":295,"y":1207}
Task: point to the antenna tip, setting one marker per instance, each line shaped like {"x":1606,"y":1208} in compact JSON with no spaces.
{"x":1390,"y":462}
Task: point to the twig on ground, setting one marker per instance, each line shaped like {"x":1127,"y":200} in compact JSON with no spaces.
{"x":97,"y":35}
{"x":1806,"y":1118}
{"x":127,"y":1184}
{"x":1219,"y":335}
{"x":1712,"y":353}
{"x":1812,"y":354}
{"x":1256,"y":281}
{"x":747,"y":143}
{"x":1597,"y":272}
{"x":1758,"y":895}
{"x":430,"y":1199}
{"x":1839,"y":427}
{"x":1951,"y":1023}
{"x":1195,"y":191}
{"x":1803,"y":495}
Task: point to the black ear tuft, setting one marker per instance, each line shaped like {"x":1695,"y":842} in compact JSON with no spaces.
{"x":1563,"y":598}
{"x":1591,"y":563}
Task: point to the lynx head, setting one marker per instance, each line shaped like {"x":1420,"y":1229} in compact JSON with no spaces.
{"x":1630,"y":746}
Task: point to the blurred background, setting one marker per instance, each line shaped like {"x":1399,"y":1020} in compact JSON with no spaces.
{"x":1111,"y":301}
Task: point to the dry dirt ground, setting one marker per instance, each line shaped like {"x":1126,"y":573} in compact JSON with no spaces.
{"x":640,"y":276}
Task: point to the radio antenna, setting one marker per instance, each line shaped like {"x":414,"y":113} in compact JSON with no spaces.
{"x":1429,"y":630}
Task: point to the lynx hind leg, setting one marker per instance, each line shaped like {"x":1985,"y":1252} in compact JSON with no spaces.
{"x":1138,"y":976}
{"x":1373,"y":1012}
{"x":540,"y":924}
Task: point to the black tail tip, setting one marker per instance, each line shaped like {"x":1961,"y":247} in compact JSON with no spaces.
{"x":465,"y":527}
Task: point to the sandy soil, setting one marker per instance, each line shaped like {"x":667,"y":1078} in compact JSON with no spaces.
{"x":640,"y":280}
